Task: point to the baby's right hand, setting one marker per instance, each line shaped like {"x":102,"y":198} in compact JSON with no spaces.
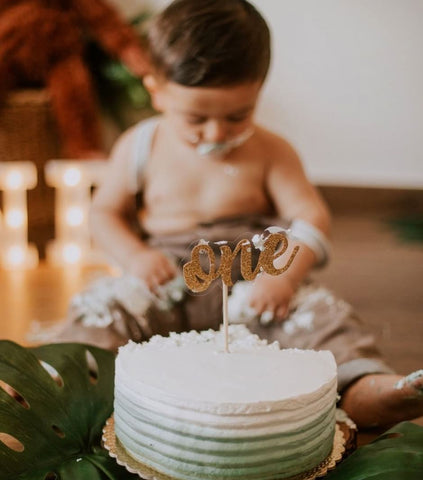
{"x":153,"y":267}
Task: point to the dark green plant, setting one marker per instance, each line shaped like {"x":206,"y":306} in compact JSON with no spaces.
{"x":408,"y":228}
{"x":395,"y":455}
{"x":52,"y":413}
{"x":118,"y":90}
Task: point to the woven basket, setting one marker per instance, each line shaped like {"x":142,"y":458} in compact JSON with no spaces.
{"x":28,"y":133}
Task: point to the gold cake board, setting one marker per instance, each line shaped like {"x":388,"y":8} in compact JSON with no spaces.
{"x":344,"y":441}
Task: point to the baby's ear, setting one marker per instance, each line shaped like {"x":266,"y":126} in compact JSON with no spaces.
{"x":154,"y":87}
{"x":150,"y":83}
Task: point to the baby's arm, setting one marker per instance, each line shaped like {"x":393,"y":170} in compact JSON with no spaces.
{"x":294,"y":198}
{"x":111,"y":214}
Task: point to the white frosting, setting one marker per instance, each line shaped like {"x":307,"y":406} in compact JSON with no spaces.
{"x":178,"y":398}
{"x":204,"y":372}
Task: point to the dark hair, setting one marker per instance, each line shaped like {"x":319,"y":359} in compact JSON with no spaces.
{"x":210,"y":43}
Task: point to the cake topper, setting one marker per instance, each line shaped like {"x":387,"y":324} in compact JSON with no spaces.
{"x":271,"y":246}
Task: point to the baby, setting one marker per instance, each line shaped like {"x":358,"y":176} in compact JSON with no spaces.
{"x":205,"y":169}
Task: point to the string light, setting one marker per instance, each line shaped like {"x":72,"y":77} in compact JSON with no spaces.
{"x":14,"y":179}
{"x":71,"y":176}
{"x":15,"y":218}
{"x":74,"y":216}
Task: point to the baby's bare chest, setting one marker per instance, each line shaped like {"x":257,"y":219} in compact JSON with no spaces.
{"x":209,"y":187}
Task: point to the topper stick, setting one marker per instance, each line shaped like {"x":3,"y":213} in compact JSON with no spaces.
{"x":225,"y":315}
{"x":198,"y":277}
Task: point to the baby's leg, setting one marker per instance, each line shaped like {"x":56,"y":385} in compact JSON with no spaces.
{"x":124,"y":327}
{"x":371,"y":393}
{"x":107,"y":313}
{"x":382,"y":400}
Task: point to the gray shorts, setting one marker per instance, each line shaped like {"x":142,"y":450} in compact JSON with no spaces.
{"x":318,"y":320}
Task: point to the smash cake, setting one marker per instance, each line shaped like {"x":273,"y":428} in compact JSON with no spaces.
{"x":189,"y":410}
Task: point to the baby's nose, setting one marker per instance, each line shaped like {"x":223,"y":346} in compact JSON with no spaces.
{"x":215,"y":131}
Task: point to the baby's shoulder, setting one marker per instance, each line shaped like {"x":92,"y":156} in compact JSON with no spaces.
{"x":133,"y":132}
{"x":275,"y":148}
{"x":128,"y":140}
{"x":124,"y":143}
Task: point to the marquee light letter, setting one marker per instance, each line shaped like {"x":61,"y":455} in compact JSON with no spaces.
{"x":15,"y":179}
{"x":73,"y":180}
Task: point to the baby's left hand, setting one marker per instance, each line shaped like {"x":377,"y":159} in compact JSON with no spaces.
{"x":272,"y":294}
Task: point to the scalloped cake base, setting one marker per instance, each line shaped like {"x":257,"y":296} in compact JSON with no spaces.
{"x":344,"y":436}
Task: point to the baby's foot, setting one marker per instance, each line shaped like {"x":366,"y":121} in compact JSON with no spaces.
{"x":412,"y":383}
{"x":382,"y":400}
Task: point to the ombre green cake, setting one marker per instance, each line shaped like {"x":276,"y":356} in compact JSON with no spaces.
{"x":189,"y":410}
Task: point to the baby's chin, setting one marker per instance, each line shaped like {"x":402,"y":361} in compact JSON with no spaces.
{"x":211,"y":150}
{"x":219,"y":150}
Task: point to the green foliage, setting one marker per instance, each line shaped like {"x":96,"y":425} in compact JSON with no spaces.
{"x":56,"y":411}
{"x":408,"y":228}
{"x":395,"y":455}
{"x":122,"y":95}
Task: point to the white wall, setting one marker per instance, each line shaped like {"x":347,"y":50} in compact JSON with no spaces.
{"x":346,"y":87}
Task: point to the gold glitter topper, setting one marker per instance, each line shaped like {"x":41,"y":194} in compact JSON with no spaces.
{"x":271,"y":247}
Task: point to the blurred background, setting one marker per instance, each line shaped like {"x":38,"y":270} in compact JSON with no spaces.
{"x":345,"y":88}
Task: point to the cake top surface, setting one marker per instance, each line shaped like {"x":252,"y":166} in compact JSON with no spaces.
{"x":193,"y":365}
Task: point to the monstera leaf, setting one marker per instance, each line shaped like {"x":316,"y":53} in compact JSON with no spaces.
{"x":54,"y":401}
{"x":395,"y":455}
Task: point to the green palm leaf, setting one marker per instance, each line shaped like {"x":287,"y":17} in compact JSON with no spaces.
{"x":54,"y":401}
{"x":55,"y":415}
{"x":395,"y":455}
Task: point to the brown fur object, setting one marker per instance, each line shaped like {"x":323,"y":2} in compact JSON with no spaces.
{"x":42,"y":44}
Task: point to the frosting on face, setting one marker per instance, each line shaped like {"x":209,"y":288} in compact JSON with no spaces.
{"x":220,"y":149}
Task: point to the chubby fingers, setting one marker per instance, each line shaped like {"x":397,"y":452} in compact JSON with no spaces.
{"x":281,"y":312}
{"x":274,"y":314}
{"x":269,"y":313}
{"x":162,"y":274}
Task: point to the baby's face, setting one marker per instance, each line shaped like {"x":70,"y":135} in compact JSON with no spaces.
{"x":211,"y":120}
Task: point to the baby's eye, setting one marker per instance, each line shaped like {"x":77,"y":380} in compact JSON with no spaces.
{"x":237,"y":118}
{"x":195,"y":119}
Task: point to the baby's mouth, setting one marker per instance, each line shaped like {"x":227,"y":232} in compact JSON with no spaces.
{"x":220,"y":149}
{"x":213,"y":149}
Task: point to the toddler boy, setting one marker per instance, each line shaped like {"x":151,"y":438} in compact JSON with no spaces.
{"x":205,"y":169}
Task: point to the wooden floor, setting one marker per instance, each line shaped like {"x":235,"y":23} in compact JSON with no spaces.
{"x":370,"y":268}
{"x":382,"y":277}
{"x":379,"y":275}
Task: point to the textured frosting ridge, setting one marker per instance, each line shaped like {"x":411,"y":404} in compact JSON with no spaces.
{"x":188,"y":409}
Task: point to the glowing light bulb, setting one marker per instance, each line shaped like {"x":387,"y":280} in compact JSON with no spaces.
{"x":72,"y":253}
{"x":74,"y":216}
{"x":73,"y":182}
{"x":15,"y":218}
{"x":15,"y":256}
{"x":72,"y":176}
{"x":14,"y":180}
